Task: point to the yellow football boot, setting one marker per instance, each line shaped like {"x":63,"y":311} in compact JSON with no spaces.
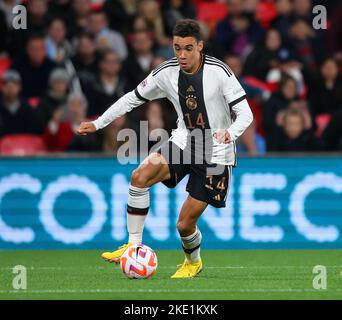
{"x":115,"y":255}
{"x":188,"y":269}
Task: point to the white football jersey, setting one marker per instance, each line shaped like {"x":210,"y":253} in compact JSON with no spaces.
{"x":203,"y":101}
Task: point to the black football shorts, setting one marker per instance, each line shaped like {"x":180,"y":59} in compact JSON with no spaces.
{"x":207,"y":182}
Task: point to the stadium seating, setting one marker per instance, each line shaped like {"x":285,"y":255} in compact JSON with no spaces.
{"x":21,"y":144}
{"x":322,"y":121}
{"x":265,"y":13}
{"x":5,"y":63}
{"x":211,"y":13}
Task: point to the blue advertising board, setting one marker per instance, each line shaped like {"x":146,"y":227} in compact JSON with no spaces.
{"x":274,"y":202}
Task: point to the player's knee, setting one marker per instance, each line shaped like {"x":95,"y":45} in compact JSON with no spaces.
{"x":183,"y":227}
{"x":138,"y":179}
{"x":156,"y":159}
{"x":180,"y":227}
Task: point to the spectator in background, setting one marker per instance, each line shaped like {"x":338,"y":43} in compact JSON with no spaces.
{"x":239,"y":30}
{"x":326,"y":93}
{"x":57,"y":47}
{"x":119,"y":19}
{"x":154,"y":116}
{"x":150,"y":11}
{"x":108,"y":85}
{"x":250,"y":6}
{"x":300,"y":106}
{"x":173,"y":10}
{"x":37,"y":20}
{"x":265,"y":56}
{"x":56,"y":97}
{"x":293,"y":136}
{"x":60,"y":135}
{"x":34,"y":67}
{"x":61,"y":9}
{"x":334,"y":33}
{"x":308,"y":40}
{"x":140,"y":24}
{"x":111,"y":142}
{"x":6,"y":7}
{"x":279,"y":100}
{"x":138,"y":63}
{"x":15,"y":115}
{"x":136,"y":68}
{"x":37,"y":15}
{"x":85,"y":60}
{"x":4,"y":33}
{"x":283,"y":21}
{"x":306,"y":45}
{"x":286,"y":64}
{"x":81,"y":10}
{"x":210,"y":46}
{"x":303,"y":9}
{"x":104,"y":37}
{"x":131,"y":6}
{"x":235,"y":7}
{"x":332,"y":135}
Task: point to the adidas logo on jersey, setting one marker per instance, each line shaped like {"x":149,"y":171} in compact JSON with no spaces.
{"x":217,"y":197}
{"x":190,"y":89}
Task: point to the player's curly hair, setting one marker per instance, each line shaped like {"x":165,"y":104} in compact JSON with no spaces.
{"x":187,"y":28}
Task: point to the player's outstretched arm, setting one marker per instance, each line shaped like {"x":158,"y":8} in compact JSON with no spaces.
{"x":125,"y":104}
{"x":146,"y":91}
{"x":86,"y":127}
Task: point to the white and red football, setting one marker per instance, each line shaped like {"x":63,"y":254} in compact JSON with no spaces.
{"x":139,"y":262}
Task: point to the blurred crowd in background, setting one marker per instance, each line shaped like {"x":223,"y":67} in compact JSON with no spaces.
{"x":77,"y":57}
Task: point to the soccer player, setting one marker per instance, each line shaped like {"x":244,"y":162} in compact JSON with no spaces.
{"x":205,"y":94}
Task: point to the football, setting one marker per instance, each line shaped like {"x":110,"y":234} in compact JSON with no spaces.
{"x":139,"y":262}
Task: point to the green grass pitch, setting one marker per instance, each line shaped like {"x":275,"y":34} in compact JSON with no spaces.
{"x":227,"y":274}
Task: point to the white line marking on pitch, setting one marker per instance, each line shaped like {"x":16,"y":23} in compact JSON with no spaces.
{"x":165,"y":291}
{"x":170,"y":267}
